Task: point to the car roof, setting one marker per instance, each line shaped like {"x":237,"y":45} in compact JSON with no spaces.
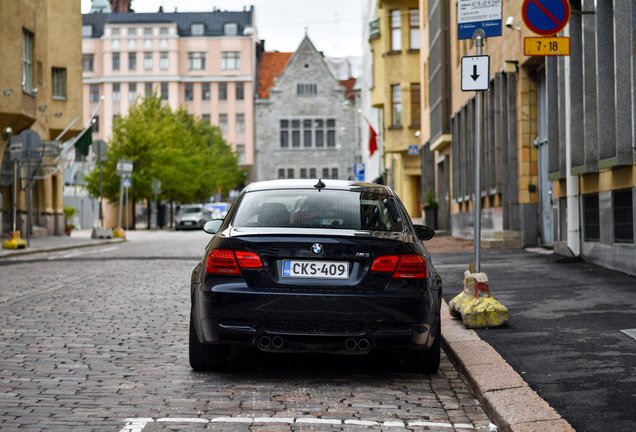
{"x":348,"y":185}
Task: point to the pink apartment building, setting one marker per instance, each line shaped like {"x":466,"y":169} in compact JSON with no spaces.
{"x":205,"y":61}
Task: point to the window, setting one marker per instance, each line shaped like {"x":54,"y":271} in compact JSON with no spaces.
{"x":325,"y":173}
{"x":27,"y":61}
{"x":147,"y":31}
{"x":319,"y":132}
{"x":58,"y":78}
{"x":414,"y":29}
{"x":306,"y":89}
{"x":415,"y":105}
{"x":116,"y":92}
{"x":307,"y":133}
{"x":312,"y":172}
{"x":396,"y":104}
{"x":240,"y":91}
{"x":189,"y":92}
{"x":132,"y":32}
{"x":281,"y":173}
{"x":163,"y":31}
{"x":148,"y":89}
{"x":94,"y":93}
{"x":284,"y":134}
{"x":205,"y":118}
{"x":230,"y":60}
{"x":222,"y":91}
{"x":88,"y":62}
{"x":147,"y":61}
{"x":115,"y":32}
{"x":132,"y":61}
{"x":231,"y":29}
{"x":87,"y":31}
{"x":331,"y":132}
{"x":396,"y":31}
{"x":240,"y":122}
{"x":196,"y":61}
{"x":303,"y":173}
{"x":164,"y":91}
{"x":623,"y":208}
{"x":591,"y":225}
{"x":197,"y":29}
{"x":205,"y":91}
{"x":132,"y":92}
{"x":116,"y":61}
{"x":290,"y":173}
{"x":223,"y":122}
{"x":240,"y":152}
{"x":334,"y":173}
{"x":163,"y":61}
{"x":295,"y":133}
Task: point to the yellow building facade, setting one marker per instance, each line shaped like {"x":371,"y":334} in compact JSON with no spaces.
{"x":40,"y":91}
{"x":396,"y":92}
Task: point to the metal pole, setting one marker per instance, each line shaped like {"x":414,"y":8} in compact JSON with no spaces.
{"x":121,"y":197}
{"x":477,"y":200}
{"x":101,"y":192}
{"x":127,"y":226}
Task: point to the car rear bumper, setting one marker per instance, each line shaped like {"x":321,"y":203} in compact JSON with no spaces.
{"x":316,"y":322}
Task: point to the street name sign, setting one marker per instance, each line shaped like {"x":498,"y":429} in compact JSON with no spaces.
{"x":546,"y":46}
{"x":476,"y":73}
{"x":478,"y":14}
{"x":124,"y":167}
{"x":545,"y":17}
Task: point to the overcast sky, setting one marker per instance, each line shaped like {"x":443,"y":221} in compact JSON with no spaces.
{"x":334,"y":26}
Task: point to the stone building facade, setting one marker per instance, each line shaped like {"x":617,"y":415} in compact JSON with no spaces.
{"x":306,"y":127}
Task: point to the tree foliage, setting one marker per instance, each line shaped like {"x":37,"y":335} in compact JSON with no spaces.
{"x":188,"y":155}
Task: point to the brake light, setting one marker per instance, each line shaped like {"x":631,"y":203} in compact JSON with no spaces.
{"x":227,"y":261}
{"x":410,"y":266}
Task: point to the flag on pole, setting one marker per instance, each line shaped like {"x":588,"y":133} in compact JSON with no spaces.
{"x":373,"y":142}
{"x":84,"y":140}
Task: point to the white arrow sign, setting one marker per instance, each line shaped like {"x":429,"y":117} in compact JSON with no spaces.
{"x":476,"y":73}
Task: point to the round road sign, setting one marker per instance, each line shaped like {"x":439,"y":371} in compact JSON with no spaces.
{"x":546,"y":17}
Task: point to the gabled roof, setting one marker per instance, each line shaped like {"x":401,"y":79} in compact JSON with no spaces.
{"x":271,"y":65}
{"x":214,"y":22}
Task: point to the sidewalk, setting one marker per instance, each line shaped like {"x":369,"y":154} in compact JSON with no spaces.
{"x":505,"y":396}
{"x":77,"y":239}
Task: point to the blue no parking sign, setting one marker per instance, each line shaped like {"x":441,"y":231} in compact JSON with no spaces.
{"x":545,"y":17}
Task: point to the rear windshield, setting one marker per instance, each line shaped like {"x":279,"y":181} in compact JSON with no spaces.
{"x":338,"y":209}
{"x":186,"y":210}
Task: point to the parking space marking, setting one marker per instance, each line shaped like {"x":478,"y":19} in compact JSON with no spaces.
{"x":138,"y":424}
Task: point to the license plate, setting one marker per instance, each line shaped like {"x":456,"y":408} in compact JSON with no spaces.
{"x":316,"y":269}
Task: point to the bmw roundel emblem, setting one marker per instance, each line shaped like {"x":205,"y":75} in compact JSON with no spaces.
{"x":316,"y":248}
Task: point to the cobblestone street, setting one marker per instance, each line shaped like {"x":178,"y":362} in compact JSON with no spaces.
{"x":95,"y":339}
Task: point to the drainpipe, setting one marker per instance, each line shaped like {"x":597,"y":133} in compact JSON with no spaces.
{"x":572,"y":181}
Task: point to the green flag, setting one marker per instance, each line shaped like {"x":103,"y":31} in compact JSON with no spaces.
{"x":84,"y":141}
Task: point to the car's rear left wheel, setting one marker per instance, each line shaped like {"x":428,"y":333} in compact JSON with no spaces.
{"x":424,"y":361}
{"x":205,"y":357}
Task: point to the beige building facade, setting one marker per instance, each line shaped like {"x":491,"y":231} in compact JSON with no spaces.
{"x":40,"y":95}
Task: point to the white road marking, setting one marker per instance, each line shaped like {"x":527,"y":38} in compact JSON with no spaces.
{"x":138,"y":424}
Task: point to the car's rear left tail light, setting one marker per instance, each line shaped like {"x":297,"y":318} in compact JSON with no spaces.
{"x":229,"y":262}
{"x":409,"y":266}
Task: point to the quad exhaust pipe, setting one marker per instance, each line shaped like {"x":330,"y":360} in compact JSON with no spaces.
{"x":265,"y":342}
{"x":357,"y":345}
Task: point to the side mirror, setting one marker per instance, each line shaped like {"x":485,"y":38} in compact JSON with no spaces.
{"x":213,"y":226}
{"x":423,"y":232}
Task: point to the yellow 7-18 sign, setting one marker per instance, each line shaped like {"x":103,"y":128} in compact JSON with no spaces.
{"x":546,"y":46}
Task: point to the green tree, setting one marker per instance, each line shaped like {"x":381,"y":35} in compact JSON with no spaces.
{"x":188,"y":155}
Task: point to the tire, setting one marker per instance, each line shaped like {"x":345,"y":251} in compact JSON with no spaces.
{"x":205,"y":357}
{"x":424,"y":361}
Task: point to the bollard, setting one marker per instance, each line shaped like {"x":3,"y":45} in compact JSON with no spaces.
{"x":476,"y":307}
{"x":16,"y":241}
